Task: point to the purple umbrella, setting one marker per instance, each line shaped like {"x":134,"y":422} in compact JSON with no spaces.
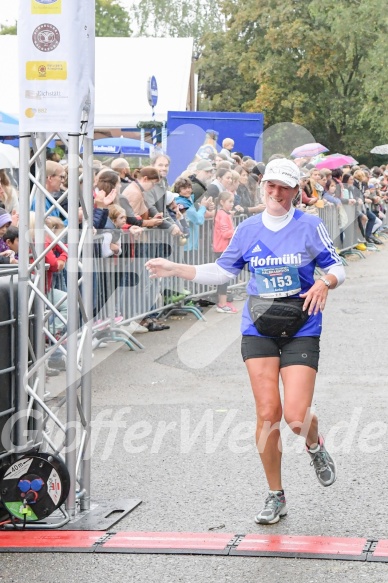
{"x":310,"y":150}
{"x":335,"y":161}
{"x":351,"y":160}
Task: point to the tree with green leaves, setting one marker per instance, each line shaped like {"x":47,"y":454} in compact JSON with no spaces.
{"x":4,"y":29}
{"x":303,"y":61}
{"x":112,"y":19}
{"x":177,"y":18}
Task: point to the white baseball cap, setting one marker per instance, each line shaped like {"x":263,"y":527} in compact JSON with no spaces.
{"x":283,"y":171}
{"x":170,"y":196}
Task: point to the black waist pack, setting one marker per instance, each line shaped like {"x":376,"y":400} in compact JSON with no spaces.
{"x":277,"y":317}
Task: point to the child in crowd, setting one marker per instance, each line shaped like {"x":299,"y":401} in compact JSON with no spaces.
{"x":55,"y":287}
{"x":233,"y":189}
{"x":6,"y":255}
{"x":11,"y":239}
{"x":56,"y":258}
{"x":222,"y":234}
{"x":195,"y":217}
{"x":227,"y":147}
{"x":111,"y":245}
{"x":177,"y":213}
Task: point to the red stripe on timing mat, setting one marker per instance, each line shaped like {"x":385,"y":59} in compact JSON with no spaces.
{"x":381,"y":549}
{"x":11,"y":539}
{"x":295,"y":545}
{"x":169,"y":540}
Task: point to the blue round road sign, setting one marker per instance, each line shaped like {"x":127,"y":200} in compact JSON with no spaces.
{"x":152,"y":91}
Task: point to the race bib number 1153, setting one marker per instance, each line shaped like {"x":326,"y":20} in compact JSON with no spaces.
{"x":277,"y":282}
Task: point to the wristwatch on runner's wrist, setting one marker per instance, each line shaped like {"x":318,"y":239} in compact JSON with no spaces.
{"x":325,"y":281}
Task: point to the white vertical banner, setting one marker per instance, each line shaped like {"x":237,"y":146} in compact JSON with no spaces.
{"x":56,"y":65}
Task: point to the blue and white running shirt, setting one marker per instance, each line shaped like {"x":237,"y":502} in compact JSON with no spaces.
{"x":281,"y":263}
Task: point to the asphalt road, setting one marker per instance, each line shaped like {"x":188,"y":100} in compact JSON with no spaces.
{"x":174,"y":426}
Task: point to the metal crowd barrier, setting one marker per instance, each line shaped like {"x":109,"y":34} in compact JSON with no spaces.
{"x":345,"y":236}
{"x":351,"y":234}
{"x":8,"y":361}
{"x":124,"y":292}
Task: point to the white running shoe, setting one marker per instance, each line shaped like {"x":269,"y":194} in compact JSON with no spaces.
{"x":225,"y":309}
{"x":274,"y":509}
{"x":323,"y":463}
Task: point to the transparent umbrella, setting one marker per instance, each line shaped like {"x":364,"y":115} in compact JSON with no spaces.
{"x":9,"y":156}
{"x":383,"y":149}
{"x":312,"y":149}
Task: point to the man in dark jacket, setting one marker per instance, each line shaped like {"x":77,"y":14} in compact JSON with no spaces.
{"x":155,"y":199}
{"x":201,"y":178}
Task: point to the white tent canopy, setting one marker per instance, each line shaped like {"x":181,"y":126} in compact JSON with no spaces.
{"x":123,"y":66}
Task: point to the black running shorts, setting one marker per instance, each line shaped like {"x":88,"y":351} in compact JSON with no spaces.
{"x":302,"y":350}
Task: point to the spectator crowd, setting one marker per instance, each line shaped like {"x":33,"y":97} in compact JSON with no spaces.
{"x":220,"y":187}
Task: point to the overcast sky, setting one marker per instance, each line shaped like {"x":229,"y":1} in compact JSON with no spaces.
{"x":9,"y":9}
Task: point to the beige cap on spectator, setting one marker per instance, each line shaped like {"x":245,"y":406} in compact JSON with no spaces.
{"x":204,"y":165}
{"x":248,"y":165}
{"x":118,"y":163}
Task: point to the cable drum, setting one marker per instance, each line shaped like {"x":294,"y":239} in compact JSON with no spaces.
{"x":34,"y":486}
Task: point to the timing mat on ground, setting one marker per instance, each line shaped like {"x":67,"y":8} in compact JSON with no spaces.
{"x":188,"y":543}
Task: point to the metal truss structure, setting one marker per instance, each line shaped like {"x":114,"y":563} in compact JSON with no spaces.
{"x":63,"y":426}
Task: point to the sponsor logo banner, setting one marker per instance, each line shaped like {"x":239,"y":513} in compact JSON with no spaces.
{"x":46,"y":6}
{"x":30,"y":94}
{"x":46,"y":71}
{"x":46,"y":37}
{"x":56,"y":66}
